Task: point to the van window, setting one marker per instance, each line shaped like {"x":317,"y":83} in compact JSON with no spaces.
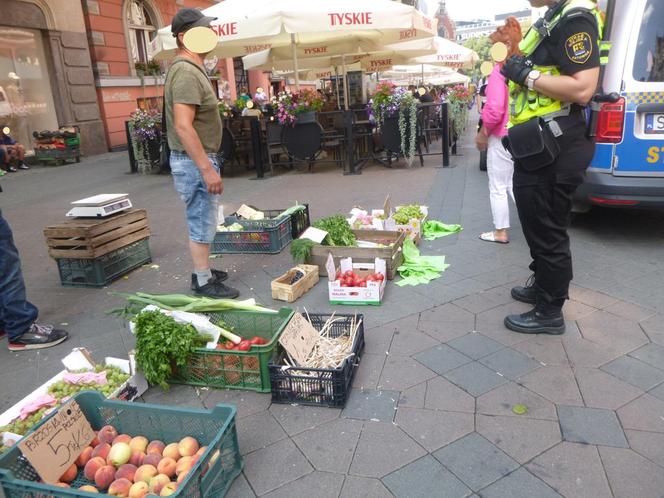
{"x":649,"y":59}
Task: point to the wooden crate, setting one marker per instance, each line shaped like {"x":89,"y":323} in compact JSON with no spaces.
{"x":393,"y":255}
{"x":283,"y":291}
{"x":94,"y":237}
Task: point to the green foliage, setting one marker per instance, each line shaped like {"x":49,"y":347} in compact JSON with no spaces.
{"x":481,"y":45}
{"x":404,"y":214}
{"x":338,"y":231}
{"x":300,"y":249}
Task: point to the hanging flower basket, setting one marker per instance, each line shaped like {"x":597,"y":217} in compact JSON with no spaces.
{"x":145,"y":128}
{"x":301,"y":107}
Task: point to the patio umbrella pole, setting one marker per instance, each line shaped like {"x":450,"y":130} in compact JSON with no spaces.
{"x":336,"y":85}
{"x":343,"y":65}
{"x":297,"y":70}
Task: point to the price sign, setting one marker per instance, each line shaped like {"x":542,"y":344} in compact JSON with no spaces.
{"x":299,"y":338}
{"x":56,"y":445}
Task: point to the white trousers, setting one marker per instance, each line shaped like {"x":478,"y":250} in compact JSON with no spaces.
{"x":500,"y":169}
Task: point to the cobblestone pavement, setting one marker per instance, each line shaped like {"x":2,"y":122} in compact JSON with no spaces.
{"x":432,"y":411}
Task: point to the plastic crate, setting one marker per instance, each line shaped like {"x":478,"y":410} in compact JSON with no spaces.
{"x":212,"y":428}
{"x":237,"y":369}
{"x":103,"y":270}
{"x":322,"y":386}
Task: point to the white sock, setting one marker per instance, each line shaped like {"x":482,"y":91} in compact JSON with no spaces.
{"x":203,"y":276}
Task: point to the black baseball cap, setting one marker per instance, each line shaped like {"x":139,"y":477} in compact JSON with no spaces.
{"x":188,"y":18}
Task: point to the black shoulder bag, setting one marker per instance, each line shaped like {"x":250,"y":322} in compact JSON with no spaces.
{"x":532,"y":144}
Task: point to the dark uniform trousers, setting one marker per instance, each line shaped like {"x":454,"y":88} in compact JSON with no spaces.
{"x":544,"y":202}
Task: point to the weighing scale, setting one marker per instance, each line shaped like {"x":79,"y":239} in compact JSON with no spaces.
{"x":100,"y":206}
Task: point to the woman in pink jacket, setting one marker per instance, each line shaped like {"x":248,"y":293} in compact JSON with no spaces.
{"x":500,"y":166}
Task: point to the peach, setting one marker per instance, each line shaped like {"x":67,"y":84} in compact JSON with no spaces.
{"x":88,"y":488}
{"x":85,"y":455}
{"x":101,"y":450}
{"x":158,"y":482}
{"x":201,"y":450}
{"x":139,"y":489}
{"x":122,"y":438}
{"x":145,"y":473}
{"x":155,"y":446}
{"x":169,"y":489}
{"x":137,"y":458}
{"x":183,"y":475}
{"x":95,"y":441}
{"x":214,"y":458}
{"x":62,"y":485}
{"x":188,"y":446}
{"x":184,"y":463}
{"x":127,"y":471}
{"x":120,"y":487}
{"x":172,"y":451}
{"x":70,"y":474}
{"x":139,"y":443}
{"x":167,"y":466}
{"x":119,"y":455}
{"x":152,"y":459}
{"x":107,"y":434}
{"x":105,"y":476}
{"x":91,"y":468}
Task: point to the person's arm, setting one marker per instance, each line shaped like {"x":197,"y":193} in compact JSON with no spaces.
{"x":495,"y":106}
{"x":577,"y":88}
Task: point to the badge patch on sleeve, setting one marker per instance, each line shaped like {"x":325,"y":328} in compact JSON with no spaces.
{"x":579,"y":47}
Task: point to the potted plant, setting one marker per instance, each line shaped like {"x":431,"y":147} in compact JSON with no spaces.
{"x":145,"y":126}
{"x":394,"y":110}
{"x":225,"y":110}
{"x":458,"y":98}
{"x":297,"y":108}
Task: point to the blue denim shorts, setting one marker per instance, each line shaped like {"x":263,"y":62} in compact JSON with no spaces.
{"x":201,"y":207}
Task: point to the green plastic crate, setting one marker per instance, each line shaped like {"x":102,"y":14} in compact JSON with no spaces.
{"x":212,"y":428}
{"x":237,"y":369}
{"x":101,"y":271}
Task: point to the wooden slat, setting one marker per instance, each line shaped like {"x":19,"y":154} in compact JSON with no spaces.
{"x":99,"y":240}
{"x":91,"y":227}
{"x":86,"y":252}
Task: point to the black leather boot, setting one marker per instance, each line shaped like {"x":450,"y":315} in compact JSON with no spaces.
{"x":526,"y":294}
{"x":543,"y":319}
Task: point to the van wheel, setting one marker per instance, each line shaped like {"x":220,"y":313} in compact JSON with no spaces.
{"x":580,"y":207}
{"x":483,"y":160}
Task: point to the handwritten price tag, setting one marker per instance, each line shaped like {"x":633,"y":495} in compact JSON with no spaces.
{"x":56,"y":445}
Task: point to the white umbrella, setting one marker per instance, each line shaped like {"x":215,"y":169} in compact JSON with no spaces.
{"x":448,"y":54}
{"x":248,"y":26}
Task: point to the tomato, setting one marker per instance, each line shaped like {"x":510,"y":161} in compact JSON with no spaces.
{"x":244,"y":345}
{"x":363,"y":284}
{"x":258,"y":341}
{"x":348,"y":273}
{"x":225,"y":345}
{"x":379,"y":277}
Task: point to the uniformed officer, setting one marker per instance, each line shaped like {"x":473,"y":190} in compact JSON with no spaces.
{"x":552,"y":81}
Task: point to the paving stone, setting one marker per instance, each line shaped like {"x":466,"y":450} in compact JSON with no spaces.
{"x":546,"y":349}
{"x":554,"y":382}
{"x":247,"y":402}
{"x":632,"y":475}
{"x":327,"y":485}
{"x":178,"y":395}
{"x":442,"y":358}
{"x":330,"y":447}
{"x":368,"y":405}
{"x":295,"y":419}
{"x":610,"y":330}
{"x":512,"y":275}
{"x":414,"y":397}
{"x":483,"y":301}
{"x":521,"y":438}
{"x":378,"y":339}
{"x":575,"y":310}
{"x":635,"y":372}
{"x":365,"y":487}
{"x":368,"y":372}
{"x":475,"y":378}
{"x":240,"y":488}
{"x":433,"y":429}
{"x":510,"y":363}
{"x":658,"y":392}
{"x":443,"y":395}
{"x":258,"y":431}
{"x":591,"y":426}
{"x":491,"y":323}
{"x":446,"y":322}
{"x":572,"y":470}
{"x":408,"y":343}
{"x":645,"y":413}
{"x":476,"y":461}
{"x":590,"y":297}
{"x":648,"y":444}
{"x":601,"y":390}
{"x":425,"y":478}
{"x":654,"y":327}
{"x":274,"y":466}
{"x":584,"y":353}
{"x":519,"y":484}
{"x":383,"y":448}
{"x":652,"y":354}
{"x":630,"y":311}
{"x":502,"y":400}
{"x":402,"y":372}
{"x":476,"y":345}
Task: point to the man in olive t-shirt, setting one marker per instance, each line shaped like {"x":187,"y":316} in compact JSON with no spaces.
{"x":194,"y":136}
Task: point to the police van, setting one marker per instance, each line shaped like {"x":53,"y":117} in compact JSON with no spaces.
{"x":628,"y":167}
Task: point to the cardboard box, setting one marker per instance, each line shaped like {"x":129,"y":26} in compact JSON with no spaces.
{"x":372,"y":294}
{"x":379,"y":221}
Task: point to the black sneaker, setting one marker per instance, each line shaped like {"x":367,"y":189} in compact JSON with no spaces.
{"x":526,"y":294}
{"x":23,"y":166}
{"x":215,"y":289}
{"x":218,"y":274}
{"x":540,"y":320}
{"x":38,"y":337}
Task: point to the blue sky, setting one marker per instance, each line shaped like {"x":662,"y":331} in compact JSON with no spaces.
{"x":462,"y":10}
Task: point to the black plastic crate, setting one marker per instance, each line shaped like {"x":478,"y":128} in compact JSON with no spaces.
{"x":300,"y":221}
{"x":321,"y":386}
{"x":103,"y":270}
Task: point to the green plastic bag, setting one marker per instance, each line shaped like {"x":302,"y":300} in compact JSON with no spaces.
{"x":434,"y":229}
{"x":417,"y":269}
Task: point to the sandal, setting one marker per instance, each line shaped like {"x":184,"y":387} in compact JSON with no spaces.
{"x":491,"y":237}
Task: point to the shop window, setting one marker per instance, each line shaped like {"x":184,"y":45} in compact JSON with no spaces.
{"x":26,"y":99}
{"x":141,"y":26}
